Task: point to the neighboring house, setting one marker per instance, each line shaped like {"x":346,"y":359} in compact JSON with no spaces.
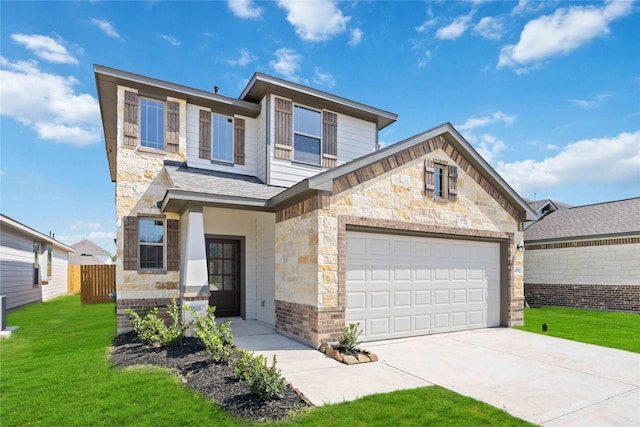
{"x":33,"y":266}
{"x":88,"y":253}
{"x":585,"y":256}
{"x":277,"y":206}
{"x":543,"y":208}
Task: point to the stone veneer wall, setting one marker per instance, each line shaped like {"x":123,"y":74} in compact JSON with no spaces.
{"x":388,"y":194}
{"x":140,"y":185}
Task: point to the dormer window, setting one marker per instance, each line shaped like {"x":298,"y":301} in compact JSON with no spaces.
{"x":307,"y":135}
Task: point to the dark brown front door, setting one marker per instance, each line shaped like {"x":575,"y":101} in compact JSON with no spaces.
{"x":223,"y":263}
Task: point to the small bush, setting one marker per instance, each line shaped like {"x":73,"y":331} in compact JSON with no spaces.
{"x":266,"y":382}
{"x":349,"y":340}
{"x":242,"y":368}
{"x":217,"y":339}
{"x":151,"y":329}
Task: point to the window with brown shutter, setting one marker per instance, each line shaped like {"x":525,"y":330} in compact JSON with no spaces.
{"x":130,"y":261}
{"x":238,"y":141}
{"x":453,"y":182}
{"x":204,"y":151}
{"x":283,"y":128}
{"x":130,"y":118}
{"x":330,"y":140}
{"x":173,"y":245}
{"x":173,"y":126}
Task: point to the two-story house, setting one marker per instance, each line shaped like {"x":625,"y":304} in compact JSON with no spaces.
{"x":279,"y":206}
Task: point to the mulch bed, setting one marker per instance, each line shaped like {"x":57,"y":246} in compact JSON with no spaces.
{"x":198,"y":371}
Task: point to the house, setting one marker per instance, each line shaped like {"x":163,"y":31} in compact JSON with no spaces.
{"x":278,"y":206}
{"x":585,"y":256}
{"x":88,"y":253}
{"x":542,"y":208}
{"x":33,"y":266}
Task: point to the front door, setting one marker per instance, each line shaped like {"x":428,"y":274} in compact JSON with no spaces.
{"x":223,"y":263}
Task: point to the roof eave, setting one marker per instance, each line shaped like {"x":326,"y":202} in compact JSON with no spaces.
{"x":12,"y":223}
{"x":175,"y":200}
{"x":583,"y":237}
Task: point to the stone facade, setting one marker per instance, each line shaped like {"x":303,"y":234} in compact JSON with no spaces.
{"x":593,"y":273}
{"x":140,"y":184}
{"x":310,"y":236}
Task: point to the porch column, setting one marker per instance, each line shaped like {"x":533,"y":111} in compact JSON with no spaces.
{"x":194,"y":280}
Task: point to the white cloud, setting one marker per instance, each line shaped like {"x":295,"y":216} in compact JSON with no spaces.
{"x":172,"y":40}
{"x":489,"y":147}
{"x":427,"y":24}
{"x":106,"y":27}
{"x":614,"y":160}
{"x":528,"y":6}
{"x":244,"y":59}
{"x":591,"y":103}
{"x":94,"y":236}
{"x":324,"y":79}
{"x":562,"y":32}
{"x":455,"y":29}
{"x":244,"y":9}
{"x":426,"y":57}
{"x":84,"y":224}
{"x":287,"y":63}
{"x":315,"y":21}
{"x":476,"y":122}
{"x":48,"y":103}
{"x":356,"y":37}
{"x":489,"y":28}
{"x":45,"y":48}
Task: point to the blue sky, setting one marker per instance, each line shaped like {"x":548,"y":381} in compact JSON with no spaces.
{"x":548,"y":92}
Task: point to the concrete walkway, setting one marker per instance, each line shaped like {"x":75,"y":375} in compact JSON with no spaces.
{"x":544,"y":380}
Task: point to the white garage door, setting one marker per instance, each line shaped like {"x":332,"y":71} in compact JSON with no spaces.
{"x":401,"y":286}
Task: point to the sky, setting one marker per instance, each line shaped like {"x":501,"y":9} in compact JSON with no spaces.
{"x":547,"y":92}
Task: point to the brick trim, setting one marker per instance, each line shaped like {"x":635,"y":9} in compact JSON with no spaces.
{"x":123,"y":322}
{"x":308,"y":324}
{"x":317,"y":201}
{"x":600,"y":297}
{"x":583,"y":243}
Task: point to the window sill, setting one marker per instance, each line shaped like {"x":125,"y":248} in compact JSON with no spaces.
{"x":222,"y":163}
{"x":152,"y":271}
{"x":151,"y":150}
{"x":313,"y":165}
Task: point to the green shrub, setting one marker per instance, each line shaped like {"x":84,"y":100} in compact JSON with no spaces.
{"x":151,"y":329}
{"x":217,"y":339}
{"x":349,"y":340}
{"x":266,"y":382}
{"x":243,"y":366}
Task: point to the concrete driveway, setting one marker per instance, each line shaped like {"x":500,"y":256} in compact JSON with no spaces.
{"x":544,"y":380}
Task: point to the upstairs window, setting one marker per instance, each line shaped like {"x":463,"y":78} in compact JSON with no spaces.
{"x":152,"y":124}
{"x":307,"y":135}
{"x":222,"y":131}
{"x":151,"y":238}
{"x":441,"y":180}
{"x":438,"y":180}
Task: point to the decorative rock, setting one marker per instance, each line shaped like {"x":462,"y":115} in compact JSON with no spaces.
{"x":363,"y":358}
{"x":350,"y":360}
{"x":335,"y":354}
{"x":324,"y":348}
{"x":373,"y":357}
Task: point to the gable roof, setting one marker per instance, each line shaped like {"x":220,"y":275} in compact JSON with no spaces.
{"x":620,"y":217}
{"x":6,"y":221}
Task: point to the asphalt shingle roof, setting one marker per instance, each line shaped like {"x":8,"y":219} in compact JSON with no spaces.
{"x":220,"y":183}
{"x":85,"y":250}
{"x":622,"y":216}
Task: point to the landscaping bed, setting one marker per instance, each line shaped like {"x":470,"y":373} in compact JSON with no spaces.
{"x":198,"y":371}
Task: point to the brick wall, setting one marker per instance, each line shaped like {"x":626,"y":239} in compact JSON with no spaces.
{"x":307,"y":324}
{"x":122,"y":305}
{"x":601,"y":297}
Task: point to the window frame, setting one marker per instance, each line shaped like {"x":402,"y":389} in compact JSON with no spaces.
{"x":49,"y":261}
{"x":143,"y":142}
{"x":440,"y":180}
{"x":306,"y":135}
{"x":230,"y":120}
{"x":162,"y":245}
{"x":36,"y":264}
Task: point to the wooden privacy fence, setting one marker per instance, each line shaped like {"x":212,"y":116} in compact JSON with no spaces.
{"x":97,"y":282}
{"x":73,"y":279}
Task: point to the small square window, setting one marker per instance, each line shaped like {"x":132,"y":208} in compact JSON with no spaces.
{"x":152,"y":124}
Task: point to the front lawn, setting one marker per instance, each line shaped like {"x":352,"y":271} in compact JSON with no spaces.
{"x":605,"y":328}
{"x":55,"y":371}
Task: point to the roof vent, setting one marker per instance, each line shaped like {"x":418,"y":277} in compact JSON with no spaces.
{"x":216,"y":89}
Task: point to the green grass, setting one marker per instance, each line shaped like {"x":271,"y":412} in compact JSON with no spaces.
{"x":55,"y":371}
{"x":605,"y":328}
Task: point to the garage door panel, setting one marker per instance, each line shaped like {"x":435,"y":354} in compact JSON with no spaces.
{"x":400,"y":286}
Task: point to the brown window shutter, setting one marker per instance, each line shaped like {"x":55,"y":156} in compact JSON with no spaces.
{"x":130,"y":118}
{"x":329,"y":140}
{"x":284,"y":129}
{"x":130,"y":261}
{"x":453,"y":182}
{"x":205,"y":135}
{"x":173,"y":126}
{"x":238,"y":141}
{"x":173,"y":245}
{"x":429,"y":178}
